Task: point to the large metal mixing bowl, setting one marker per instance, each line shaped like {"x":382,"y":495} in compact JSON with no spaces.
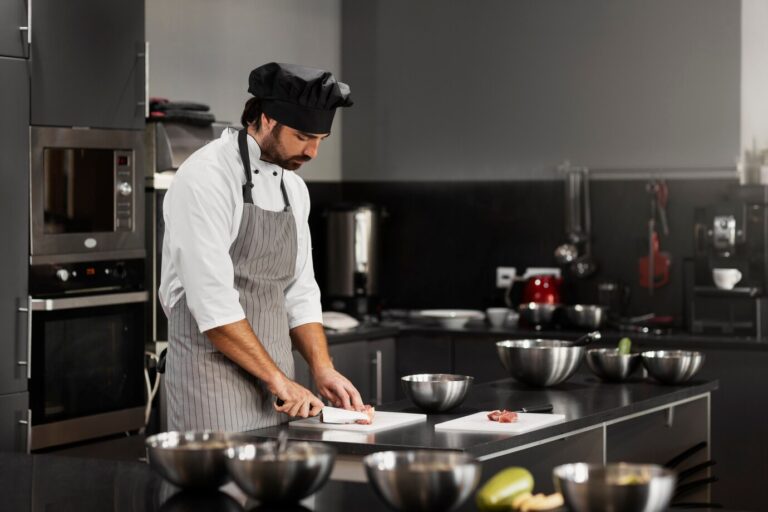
{"x":436,"y":392}
{"x":535,"y":313}
{"x":192,"y":460}
{"x":540,"y":362}
{"x":609,"y":365}
{"x":270,"y":476}
{"x":422,"y":480}
{"x":586,"y":316}
{"x":619,"y":487}
{"x":672,"y":366}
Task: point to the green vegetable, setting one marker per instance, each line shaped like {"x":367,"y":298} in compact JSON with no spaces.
{"x":625,"y":346}
{"x":498,"y":492}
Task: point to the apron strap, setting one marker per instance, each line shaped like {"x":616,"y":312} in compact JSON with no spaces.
{"x":286,"y":202}
{"x":242,"y":143}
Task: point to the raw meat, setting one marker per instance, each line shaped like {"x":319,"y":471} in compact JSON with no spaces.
{"x":370,"y":411}
{"x":503,"y":416}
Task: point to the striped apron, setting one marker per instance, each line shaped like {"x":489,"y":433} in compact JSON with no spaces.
{"x":205,"y":389}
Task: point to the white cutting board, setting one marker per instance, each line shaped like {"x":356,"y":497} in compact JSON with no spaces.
{"x":479,"y":422}
{"x":382,"y":420}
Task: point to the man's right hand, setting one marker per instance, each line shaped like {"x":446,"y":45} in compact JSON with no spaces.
{"x":298,"y":401}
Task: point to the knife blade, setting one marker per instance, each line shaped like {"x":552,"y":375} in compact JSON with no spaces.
{"x":335,"y":415}
{"x":339,"y":416}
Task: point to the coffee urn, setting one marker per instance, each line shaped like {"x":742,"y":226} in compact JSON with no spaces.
{"x":352,"y":259}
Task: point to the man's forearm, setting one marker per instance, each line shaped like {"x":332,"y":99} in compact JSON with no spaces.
{"x":239,"y":343}
{"x":310,"y":341}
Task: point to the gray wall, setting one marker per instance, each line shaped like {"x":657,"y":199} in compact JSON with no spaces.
{"x":203,"y":50}
{"x":502,"y":89}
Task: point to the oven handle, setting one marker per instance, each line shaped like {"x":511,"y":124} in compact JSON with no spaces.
{"x":87,"y":302}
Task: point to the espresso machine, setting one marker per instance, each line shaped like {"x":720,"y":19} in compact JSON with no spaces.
{"x":352,"y":259}
{"x":728,"y":286}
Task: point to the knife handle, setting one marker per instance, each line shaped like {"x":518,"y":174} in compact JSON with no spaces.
{"x":537,"y":408}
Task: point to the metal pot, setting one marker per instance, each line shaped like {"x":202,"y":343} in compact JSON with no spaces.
{"x":587,"y":316}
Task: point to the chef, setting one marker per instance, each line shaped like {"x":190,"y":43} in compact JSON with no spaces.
{"x":238,"y":284}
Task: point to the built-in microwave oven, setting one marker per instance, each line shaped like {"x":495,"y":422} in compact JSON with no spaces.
{"x":86,"y":194}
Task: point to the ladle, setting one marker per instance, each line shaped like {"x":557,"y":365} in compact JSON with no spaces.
{"x":587,"y":339}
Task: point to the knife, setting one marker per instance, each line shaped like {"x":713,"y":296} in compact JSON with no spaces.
{"x":536,"y":408}
{"x":336,"y":415}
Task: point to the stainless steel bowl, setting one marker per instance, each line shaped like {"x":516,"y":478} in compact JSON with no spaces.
{"x":190,"y":459}
{"x":672,"y":366}
{"x":624,"y":487}
{"x":586,"y":316}
{"x":608,"y":364}
{"x":540,"y":362}
{"x":536,"y":313}
{"x":422,"y":480}
{"x":436,"y":392}
{"x":284,"y":477}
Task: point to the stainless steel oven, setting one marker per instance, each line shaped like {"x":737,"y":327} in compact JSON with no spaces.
{"x":86,"y":194}
{"x":87,"y":332}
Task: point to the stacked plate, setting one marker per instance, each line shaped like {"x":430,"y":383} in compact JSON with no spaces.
{"x":452,"y":318}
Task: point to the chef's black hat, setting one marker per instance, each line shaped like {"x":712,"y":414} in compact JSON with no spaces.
{"x":297,"y":96}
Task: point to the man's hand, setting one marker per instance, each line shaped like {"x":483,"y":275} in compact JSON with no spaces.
{"x":297,"y":400}
{"x":335,"y":387}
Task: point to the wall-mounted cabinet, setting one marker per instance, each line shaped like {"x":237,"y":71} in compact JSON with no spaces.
{"x":14,"y":29}
{"x":87,"y":63}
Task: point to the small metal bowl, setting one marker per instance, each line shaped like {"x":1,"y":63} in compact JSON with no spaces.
{"x":586,"y":316}
{"x":436,"y":392}
{"x":280,"y":478}
{"x":422,"y":480}
{"x":190,"y":459}
{"x":609,"y":365}
{"x":540,"y":362}
{"x":624,"y":487}
{"x":672,"y":366}
{"x":535,"y":313}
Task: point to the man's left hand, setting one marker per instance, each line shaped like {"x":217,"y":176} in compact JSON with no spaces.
{"x":337,"y":389}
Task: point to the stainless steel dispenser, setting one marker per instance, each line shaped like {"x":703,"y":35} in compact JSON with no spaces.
{"x":352,"y":258}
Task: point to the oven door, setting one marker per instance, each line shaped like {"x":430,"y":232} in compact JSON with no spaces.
{"x":87,"y":367}
{"x":86,"y":195}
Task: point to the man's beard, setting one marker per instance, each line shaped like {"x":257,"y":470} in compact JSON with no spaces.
{"x":273,"y":151}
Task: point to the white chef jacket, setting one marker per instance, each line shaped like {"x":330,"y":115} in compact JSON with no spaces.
{"x":202,"y":211}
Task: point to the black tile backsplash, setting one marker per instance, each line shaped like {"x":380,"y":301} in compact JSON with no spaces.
{"x":442,"y":241}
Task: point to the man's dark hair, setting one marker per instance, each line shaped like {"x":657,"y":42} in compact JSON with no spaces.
{"x":251,"y":113}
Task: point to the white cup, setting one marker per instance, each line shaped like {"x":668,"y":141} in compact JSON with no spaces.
{"x":497,"y":316}
{"x":726,"y":278}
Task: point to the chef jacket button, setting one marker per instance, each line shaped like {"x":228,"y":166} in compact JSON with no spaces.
{"x":256,"y":171}
{"x":274,"y":173}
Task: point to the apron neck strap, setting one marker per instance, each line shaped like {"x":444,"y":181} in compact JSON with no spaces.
{"x":242,"y":143}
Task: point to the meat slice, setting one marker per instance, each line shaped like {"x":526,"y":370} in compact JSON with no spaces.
{"x":494,"y":415}
{"x":503,"y":416}
{"x":370,"y":411}
{"x":508,"y":417}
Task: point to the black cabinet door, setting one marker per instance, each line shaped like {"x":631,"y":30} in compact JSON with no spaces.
{"x":87,"y":62}
{"x":478,"y":358}
{"x":14,"y":422}
{"x":14,"y":222}
{"x":352,"y":361}
{"x":422,"y":354}
{"x":13,"y":40}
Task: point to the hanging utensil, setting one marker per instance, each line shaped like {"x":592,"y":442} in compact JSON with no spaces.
{"x":654,"y":268}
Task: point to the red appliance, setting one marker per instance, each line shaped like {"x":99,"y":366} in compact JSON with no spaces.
{"x":542,"y":289}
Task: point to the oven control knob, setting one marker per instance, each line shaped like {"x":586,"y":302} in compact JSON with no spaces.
{"x":125,"y":188}
{"x":63,"y":275}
